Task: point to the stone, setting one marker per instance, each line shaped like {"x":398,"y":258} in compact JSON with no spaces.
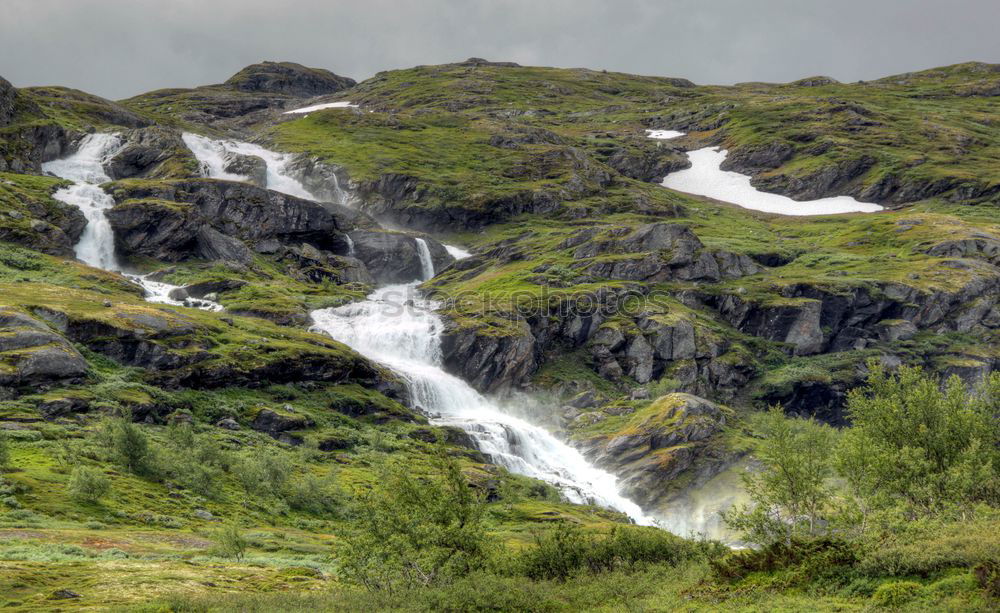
{"x":228,"y":423}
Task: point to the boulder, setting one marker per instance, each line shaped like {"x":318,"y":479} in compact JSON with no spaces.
{"x":656,"y":444}
{"x":216,"y":246}
{"x":33,"y":355}
{"x":8,"y":96}
{"x":145,"y":152}
{"x":274,"y":423}
{"x":250,"y":166}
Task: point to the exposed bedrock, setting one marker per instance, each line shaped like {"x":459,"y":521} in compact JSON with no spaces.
{"x":394,"y":257}
{"x":174,"y":220}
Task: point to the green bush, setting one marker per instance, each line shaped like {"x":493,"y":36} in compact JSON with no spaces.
{"x":128,"y":445}
{"x":263,"y":473}
{"x":87,"y":484}
{"x":896,"y":593}
{"x":568,"y":550}
{"x":417,"y":532}
{"x":230,"y":542}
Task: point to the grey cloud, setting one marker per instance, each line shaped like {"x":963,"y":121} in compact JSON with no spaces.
{"x":119,"y":48}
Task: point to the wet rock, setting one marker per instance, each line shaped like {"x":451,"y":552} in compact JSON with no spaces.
{"x":393,"y":257}
{"x":488,"y":361}
{"x":205,"y":288}
{"x":147,"y":222}
{"x":216,"y":246}
{"x":250,"y":166}
{"x":656,"y":449}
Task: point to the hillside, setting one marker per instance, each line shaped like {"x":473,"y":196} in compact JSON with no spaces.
{"x":188,"y":359}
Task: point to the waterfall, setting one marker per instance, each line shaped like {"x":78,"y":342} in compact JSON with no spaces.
{"x":85,"y":169}
{"x":96,"y":246}
{"x":426,"y":263}
{"x":350,"y":244}
{"x":398,"y":328}
{"x":211,"y":154}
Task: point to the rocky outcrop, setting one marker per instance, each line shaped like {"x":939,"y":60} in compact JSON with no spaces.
{"x":327,"y":182}
{"x":25,"y":147}
{"x":647,"y":160}
{"x":665,"y":251}
{"x":152,"y":152}
{"x":250,"y":166}
{"x":218,"y":220}
{"x":32,"y":355}
{"x":393,"y":257}
{"x":490,"y":362}
{"x":657,"y":445}
{"x":288,"y":78}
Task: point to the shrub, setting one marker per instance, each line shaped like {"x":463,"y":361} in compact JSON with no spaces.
{"x":568,"y":550}
{"x":896,"y":593}
{"x":417,"y":532}
{"x":128,"y":445}
{"x":230,"y":542}
{"x":315,"y":495}
{"x":789,"y":493}
{"x":87,"y":484}
{"x":263,"y":473}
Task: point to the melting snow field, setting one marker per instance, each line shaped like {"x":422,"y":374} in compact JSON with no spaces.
{"x":663,"y":134}
{"x":706,"y":178}
{"x":343,"y":104}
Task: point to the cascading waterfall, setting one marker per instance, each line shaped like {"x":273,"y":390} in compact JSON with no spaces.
{"x":85,"y":169}
{"x":96,"y":246}
{"x":395,"y":327}
{"x":426,"y":263}
{"x":211,"y":154}
{"x":350,"y":244}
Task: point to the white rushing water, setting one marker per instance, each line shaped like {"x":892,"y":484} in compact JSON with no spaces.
{"x":426,"y":263}
{"x":706,"y":178}
{"x":457,"y":252}
{"x":405,"y":336}
{"x":343,"y":104}
{"x":96,"y":246}
{"x":211,"y":154}
{"x":663,"y":134}
{"x":395,"y":327}
{"x":86,"y":169}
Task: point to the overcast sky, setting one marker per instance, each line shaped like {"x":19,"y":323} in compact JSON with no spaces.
{"x":118,"y":48}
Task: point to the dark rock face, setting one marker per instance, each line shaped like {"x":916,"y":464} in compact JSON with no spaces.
{"x":751,"y":159}
{"x":26,"y":147}
{"x":8,"y":96}
{"x":325,"y":181}
{"x":490,"y":363}
{"x":217,"y":219}
{"x":661,"y":449}
{"x":33,"y":355}
{"x":393,"y":257}
{"x":288,"y":78}
{"x":144,"y":152}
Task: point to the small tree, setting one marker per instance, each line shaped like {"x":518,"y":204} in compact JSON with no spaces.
{"x":128,"y":445}
{"x":87,"y":484}
{"x":417,"y":532}
{"x":789,"y":493}
{"x":921,"y":446}
{"x":230,"y":542}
